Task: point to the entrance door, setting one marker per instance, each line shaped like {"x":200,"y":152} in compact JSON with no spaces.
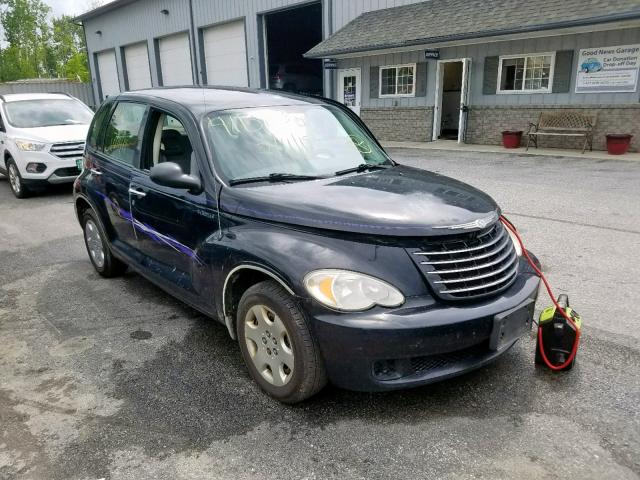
{"x":451,"y":99}
{"x":349,"y":86}
{"x":464,"y":100}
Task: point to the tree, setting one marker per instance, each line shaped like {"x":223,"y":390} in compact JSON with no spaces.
{"x":27,"y":33}
{"x":69,"y":49}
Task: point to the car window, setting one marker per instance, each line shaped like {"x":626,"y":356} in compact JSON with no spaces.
{"x":171,"y":144}
{"x":98,"y":124}
{"x":2,"y":129}
{"x":303,"y":140}
{"x":123,"y":134}
{"x":47,"y":113}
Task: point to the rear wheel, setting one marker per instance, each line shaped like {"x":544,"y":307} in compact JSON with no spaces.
{"x":15,"y":180}
{"x":98,"y":249}
{"x":279,"y":350}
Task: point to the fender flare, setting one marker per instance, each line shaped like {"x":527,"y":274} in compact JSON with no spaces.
{"x":246,"y":266}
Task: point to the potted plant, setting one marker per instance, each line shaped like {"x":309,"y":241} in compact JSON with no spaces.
{"x":618,"y":143}
{"x":511,"y":138}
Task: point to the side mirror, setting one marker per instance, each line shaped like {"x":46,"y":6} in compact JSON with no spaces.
{"x":170,"y":174}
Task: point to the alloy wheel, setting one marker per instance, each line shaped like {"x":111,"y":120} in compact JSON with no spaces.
{"x":269,"y":345}
{"x":14,"y":179}
{"x":94,"y":243}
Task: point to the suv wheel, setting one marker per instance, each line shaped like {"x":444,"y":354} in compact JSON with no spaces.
{"x":15,"y":180}
{"x":98,"y":249}
{"x":280,"y":353}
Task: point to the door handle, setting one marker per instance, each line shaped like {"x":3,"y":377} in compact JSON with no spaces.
{"x":95,"y":171}
{"x":136,"y":192}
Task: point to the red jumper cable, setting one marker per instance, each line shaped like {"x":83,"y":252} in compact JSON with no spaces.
{"x":574,"y":348}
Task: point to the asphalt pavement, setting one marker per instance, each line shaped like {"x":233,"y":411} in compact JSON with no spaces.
{"x":113,"y":379}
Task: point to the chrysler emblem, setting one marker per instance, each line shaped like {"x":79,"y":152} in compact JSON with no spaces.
{"x":479,"y":223}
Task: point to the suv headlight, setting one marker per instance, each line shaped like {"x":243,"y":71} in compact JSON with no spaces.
{"x":29,"y":146}
{"x":352,"y":291}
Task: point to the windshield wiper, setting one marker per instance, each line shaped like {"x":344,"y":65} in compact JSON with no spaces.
{"x":274,"y":177}
{"x":363,"y":167}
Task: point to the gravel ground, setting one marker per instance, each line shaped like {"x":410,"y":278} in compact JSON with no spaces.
{"x":112,"y":379}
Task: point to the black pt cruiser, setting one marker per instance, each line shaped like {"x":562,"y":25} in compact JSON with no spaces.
{"x":284,"y":218}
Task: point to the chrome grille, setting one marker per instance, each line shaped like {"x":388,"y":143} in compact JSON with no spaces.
{"x":67,"y":150}
{"x":469,"y":265}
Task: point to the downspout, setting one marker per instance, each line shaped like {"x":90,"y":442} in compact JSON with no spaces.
{"x":332,"y":73}
{"x":195,"y":71}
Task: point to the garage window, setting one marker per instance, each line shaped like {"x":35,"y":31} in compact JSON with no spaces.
{"x":526,"y":73}
{"x":398,"y":80}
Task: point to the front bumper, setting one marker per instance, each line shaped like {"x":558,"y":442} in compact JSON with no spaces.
{"x":424,"y":341}
{"x":56,"y":170}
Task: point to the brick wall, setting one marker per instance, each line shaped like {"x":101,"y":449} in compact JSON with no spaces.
{"x":399,"y":124}
{"x":487,"y":123}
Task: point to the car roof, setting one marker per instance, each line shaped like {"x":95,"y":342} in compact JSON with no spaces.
{"x":16,"y":97}
{"x":207,"y":99}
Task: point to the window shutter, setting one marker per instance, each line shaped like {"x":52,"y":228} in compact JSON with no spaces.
{"x":374,"y":82}
{"x":562,"y":71}
{"x":421,"y":79}
{"x":490,"y":76}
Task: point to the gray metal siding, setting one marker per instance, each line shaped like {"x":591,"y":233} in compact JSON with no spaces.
{"x":478,"y":52}
{"x":142,"y":21}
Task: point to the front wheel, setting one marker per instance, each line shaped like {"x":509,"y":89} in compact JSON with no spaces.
{"x":279,"y":350}
{"x":15,"y":180}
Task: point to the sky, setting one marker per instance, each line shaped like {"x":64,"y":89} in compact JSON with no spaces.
{"x":69,"y":7}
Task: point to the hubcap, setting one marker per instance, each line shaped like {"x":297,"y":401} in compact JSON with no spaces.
{"x":14,"y":179}
{"x":94,"y":243}
{"x":269,"y":345}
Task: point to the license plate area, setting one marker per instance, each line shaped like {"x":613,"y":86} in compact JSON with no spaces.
{"x":512,"y":324}
{"x":79,"y":163}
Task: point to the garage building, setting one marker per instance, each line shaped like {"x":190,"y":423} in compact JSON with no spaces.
{"x":413,"y":70}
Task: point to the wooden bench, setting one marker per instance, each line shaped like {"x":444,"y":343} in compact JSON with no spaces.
{"x":569,"y":124}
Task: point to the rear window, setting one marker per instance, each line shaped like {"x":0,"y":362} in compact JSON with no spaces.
{"x":47,"y":113}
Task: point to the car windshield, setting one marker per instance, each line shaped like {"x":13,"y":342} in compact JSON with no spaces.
{"x":46,"y":113}
{"x":308,"y":140}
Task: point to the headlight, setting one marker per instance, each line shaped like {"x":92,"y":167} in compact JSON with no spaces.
{"x":29,"y":146}
{"x":345,"y":290}
{"x":515,"y":241}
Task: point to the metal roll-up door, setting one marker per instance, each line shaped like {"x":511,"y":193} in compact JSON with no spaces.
{"x":108,"y":73}
{"x":175,"y":60}
{"x":225,"y":54}
{"x":136,"y":58}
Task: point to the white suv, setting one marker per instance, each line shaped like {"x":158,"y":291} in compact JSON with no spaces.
{"x":42,"y":139}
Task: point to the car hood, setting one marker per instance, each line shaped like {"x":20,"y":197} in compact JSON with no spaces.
{"x":53,"y":134}
{"x":400,"y":201}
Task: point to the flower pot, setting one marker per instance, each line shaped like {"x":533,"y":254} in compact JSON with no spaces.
{"x":618,"y":143}
{"x":511,"y":138}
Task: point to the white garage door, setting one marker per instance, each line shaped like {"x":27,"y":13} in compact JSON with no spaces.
{"x":225,"y":55}
{"x":108,"y":73}
{"x":175,"y":60}
{"x":136,"y":58}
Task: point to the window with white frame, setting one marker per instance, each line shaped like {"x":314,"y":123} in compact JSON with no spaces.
{"x":398,"y":80}
{"x":526,"y":73}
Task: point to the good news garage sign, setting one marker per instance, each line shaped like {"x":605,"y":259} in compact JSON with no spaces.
{"x":608,"y":69}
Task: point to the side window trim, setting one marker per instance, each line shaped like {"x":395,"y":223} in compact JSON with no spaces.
{"x":143,"y":127}
{"x":102,"y":129}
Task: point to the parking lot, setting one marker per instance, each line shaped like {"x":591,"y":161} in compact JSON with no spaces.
{"x":113,"y":379}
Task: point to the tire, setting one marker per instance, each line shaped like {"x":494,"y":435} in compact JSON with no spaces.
{"x":98,"y":247}
{"x":289,"y":87}
{"x":307,"y":375}
{"x":15,"y":180}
